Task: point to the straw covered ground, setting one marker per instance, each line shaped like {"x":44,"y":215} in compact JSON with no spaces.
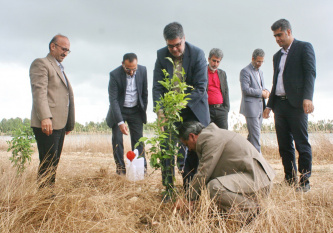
{"x":90,"y":197}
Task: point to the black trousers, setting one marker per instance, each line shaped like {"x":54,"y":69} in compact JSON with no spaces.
{"x":49,"y":148}
{"x":134,"y":120}
{"x":291,"y":126}
{"x":188,"y":164}
{"x":219,"y":116}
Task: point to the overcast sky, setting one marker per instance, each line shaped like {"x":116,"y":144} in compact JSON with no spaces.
{"x":101,"y":31}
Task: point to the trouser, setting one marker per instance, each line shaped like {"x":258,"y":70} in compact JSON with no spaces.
{"x":188,"y":164}
{"x":135,"y":124}
{"x":254,"y":128}
{"x":291,"y":126}
{"x":49,"y":148}
{"x":226,"y":199}
{"x":219,"y":116}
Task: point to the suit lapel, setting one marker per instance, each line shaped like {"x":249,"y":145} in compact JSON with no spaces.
{"x":261,"y":79}
{"x":56,"y":68}
{"x":291,"y":53}
{"x":138,"y":81}
{"x":276,"y":66}
{"x":254,"y":75}
{"x":123,"y":79}
{"x":221,"y":78}
{"x":186,"y":61}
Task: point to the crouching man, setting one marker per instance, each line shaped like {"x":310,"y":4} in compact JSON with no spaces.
{"x":233,"y":171}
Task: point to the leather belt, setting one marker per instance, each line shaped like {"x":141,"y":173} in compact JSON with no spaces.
{"x":215,"y":105}
{"x":282,"y":97}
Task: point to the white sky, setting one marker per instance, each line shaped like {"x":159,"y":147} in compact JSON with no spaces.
{"x":101,"y":31}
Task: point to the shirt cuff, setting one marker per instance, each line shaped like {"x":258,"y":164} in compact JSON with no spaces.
{"x":120,"y":123}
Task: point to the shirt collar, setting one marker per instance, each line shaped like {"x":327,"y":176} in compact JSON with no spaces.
{"x":129,"y":76}
{"x":60,"y":65}
{"x":254,"y":67}
{"x":286,"y":51}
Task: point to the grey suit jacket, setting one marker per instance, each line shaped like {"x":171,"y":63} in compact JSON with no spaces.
{"x":51,"y":97}
{"x":195,"y":66}
{"x":224,"y":88}
{"x":298,"y":76}
{"x":252,"y":103}
{"x":117,"y":92}
{"x":238,"y":168}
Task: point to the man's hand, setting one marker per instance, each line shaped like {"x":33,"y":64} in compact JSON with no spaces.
{"x":123,"y":128}
{"x":47,"y":126}
{"x":266,"y":113}
{"x":265,"y":94}
{"x":182,"y":205}
{"x":308,"y":106}
{"x":179,"y":204}
{"x":67,"y":132}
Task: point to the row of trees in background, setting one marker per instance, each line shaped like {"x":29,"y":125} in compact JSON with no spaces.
{"x":8,"y":126}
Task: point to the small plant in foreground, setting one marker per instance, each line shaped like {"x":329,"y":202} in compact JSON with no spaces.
{"x":21,"y":147}
{"x":163,"y":144}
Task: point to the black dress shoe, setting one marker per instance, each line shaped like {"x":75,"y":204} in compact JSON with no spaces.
{"x":303,"y":188}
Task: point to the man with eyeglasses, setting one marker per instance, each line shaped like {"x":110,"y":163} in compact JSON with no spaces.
{"x":52,"y":114}
{"x":128,"y":96}
{"x":192,"y":59}
{"x":254,"y":94}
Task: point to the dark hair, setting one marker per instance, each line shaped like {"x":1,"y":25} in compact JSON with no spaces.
{"x":55,"y":39}
{"x":188,"y":127}
{"x":281,"y":23}
{"x":130,"y":56}
{"x":172,"y":31}
{"x":258,"y":52}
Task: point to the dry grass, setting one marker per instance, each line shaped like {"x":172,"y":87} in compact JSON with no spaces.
{"x":91,"y":198}
{"x":321,"y":143}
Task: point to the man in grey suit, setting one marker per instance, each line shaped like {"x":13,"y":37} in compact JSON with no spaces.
{"x":291,"y":101}
{"x":231,"y":168}
{"x":52,"y":114}
{"x":192,"y":59}
{"x":128,"y":96}
{"x":254,"y":94}
{"x":217,"y":89}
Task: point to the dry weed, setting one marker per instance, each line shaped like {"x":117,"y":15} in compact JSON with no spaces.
{"x":90,"y":197}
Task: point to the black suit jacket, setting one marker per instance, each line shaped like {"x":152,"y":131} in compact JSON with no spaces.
{"x":117,"y":92}
{"x":298,"y":76}
{"x":195,"y":66}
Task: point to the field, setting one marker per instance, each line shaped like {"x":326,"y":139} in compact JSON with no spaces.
{"x":90,"y":197}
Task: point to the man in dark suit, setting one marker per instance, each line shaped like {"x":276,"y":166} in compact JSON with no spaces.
{"x":192,"y":59}
{"x":291,"y":102}
{"x":128,"y":96}
{"x":52,"y":114}
{"x":254,"y":94}
{"x":218,"y":92}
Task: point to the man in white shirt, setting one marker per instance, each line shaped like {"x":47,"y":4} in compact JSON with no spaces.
{"x":128,"y":96}
{"x":291,"y":101}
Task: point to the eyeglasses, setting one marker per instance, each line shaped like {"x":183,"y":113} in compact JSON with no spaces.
{"x":129,"y":70}
{"x":171,"y":46}
{"x":63,"y":49}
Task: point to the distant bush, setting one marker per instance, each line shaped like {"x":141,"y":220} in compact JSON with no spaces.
{"x":8,"y":126}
